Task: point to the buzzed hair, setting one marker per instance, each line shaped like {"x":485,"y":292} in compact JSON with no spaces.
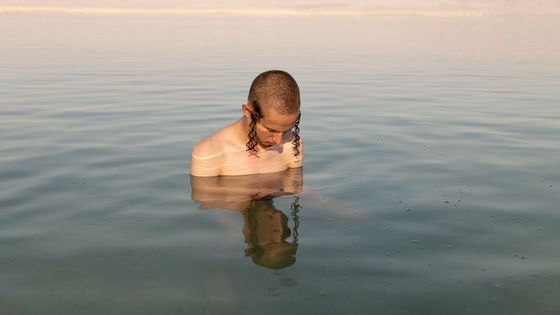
{"x":275,"y":89}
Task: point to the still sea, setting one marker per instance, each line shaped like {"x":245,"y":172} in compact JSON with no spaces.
{"x":431,"y":182}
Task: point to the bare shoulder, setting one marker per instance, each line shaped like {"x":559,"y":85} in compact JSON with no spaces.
{"x":208,"y":154}
{"x":207,"y":147}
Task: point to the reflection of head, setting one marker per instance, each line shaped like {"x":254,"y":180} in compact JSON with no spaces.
{"x":266,"y":230}
{"x":273,"y":92}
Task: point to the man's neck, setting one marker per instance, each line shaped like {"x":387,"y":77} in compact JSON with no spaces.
{"x":243,"y":131}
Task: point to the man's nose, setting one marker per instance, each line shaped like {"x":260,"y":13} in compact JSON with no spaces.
{"x":277,"y":137}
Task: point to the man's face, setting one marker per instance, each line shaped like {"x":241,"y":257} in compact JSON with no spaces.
{"x":274,"y":128}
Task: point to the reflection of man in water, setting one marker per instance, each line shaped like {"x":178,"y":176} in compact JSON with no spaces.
{"x":266,"y":232}
{"x":264,"y":140}
{"x":265,"y":228}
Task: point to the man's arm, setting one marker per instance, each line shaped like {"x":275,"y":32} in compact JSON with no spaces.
{"x":206,"y":159}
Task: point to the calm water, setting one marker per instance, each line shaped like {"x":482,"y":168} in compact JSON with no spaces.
{"x":432,"y":177}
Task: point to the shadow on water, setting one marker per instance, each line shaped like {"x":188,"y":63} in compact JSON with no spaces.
{"x":270,"y":241}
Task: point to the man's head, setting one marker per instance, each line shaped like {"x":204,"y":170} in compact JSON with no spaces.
{"x":273,"y":110}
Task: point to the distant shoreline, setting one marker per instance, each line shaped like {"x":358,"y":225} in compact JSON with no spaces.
{"x":257,"y":12}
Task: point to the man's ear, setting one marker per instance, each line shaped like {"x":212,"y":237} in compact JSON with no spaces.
{"x":247,"y":110}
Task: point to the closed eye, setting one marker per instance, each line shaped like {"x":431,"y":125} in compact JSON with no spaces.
{"x":277,"y":131}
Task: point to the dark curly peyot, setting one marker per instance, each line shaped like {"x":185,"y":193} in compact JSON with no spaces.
{"x":295,"y":133}
{"x":252,"y":143}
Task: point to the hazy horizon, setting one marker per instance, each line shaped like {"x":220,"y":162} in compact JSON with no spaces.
{"x":267,"y":6}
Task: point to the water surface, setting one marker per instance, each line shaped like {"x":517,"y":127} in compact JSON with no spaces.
{"x":431,"y":180}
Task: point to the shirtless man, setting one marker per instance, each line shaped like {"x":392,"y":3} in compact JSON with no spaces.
{"x":264,"y":140}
